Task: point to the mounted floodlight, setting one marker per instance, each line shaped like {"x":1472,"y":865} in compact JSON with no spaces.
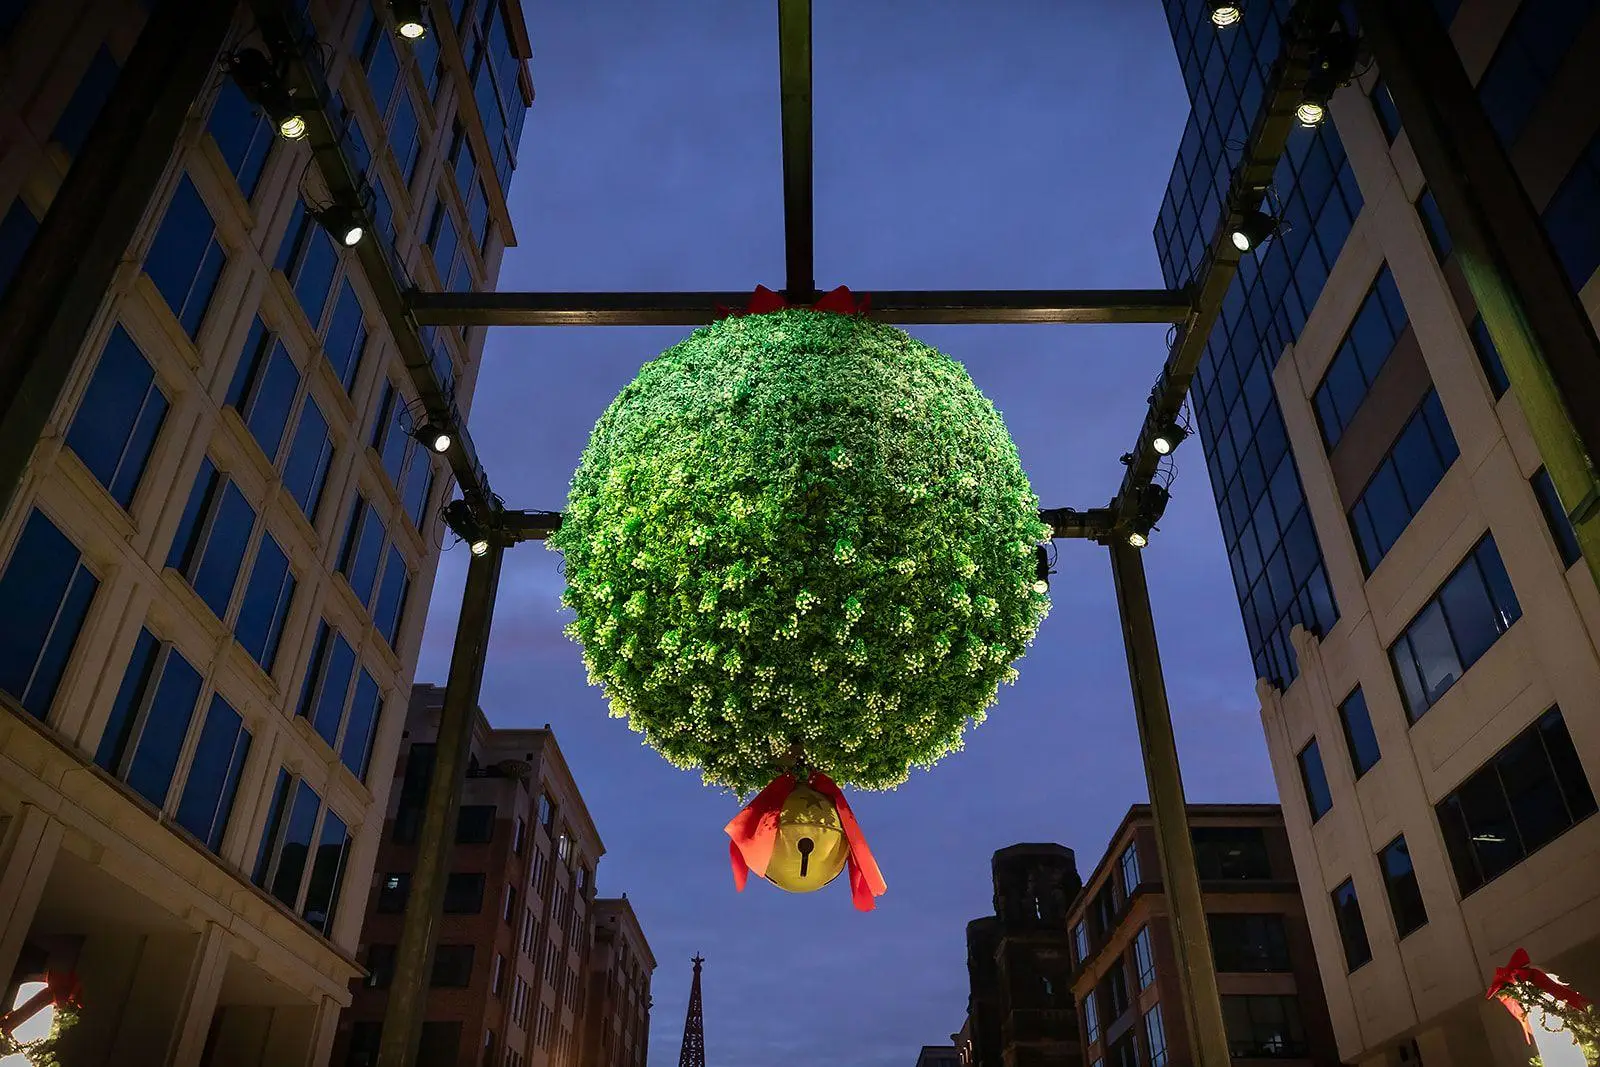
{"x":1137,"y":539}
{"x":263,"y":86}
{"x":1224,"y":14}
{"x":408,"y":19}
{"x":1041,"y":569}
{"x":465,"y":525}
{"x":1256,"y":226}
{"x":436,"y":438}
{"x":343,"y":222}
{"x":1169,"y":437}
{"x":1333,"y":66}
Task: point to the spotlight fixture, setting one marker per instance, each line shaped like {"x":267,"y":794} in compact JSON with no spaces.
{"x":1332,"y":67}
{"x":1152,"y":505}
{"x":263,"y":86}
{"x":1224,"y":14}
{"x":1254,"y":227}
{"x":1137,"y":539}
{"x":344,"y":222}
{"x":465,"y":525}
{"x":435,"y":438}
{"x":408,"y":19}
{"x":1169,"y":437}
{"x":1041,"y":569}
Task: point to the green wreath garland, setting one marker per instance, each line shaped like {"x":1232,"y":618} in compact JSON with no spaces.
{"x":801,"y":531}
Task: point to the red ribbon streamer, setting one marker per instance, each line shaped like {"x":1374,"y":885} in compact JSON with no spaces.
{"x":754,"y":831}
{"x":1520,"y":969}
{"x":840,"y":301}
{"x":64,"y":988}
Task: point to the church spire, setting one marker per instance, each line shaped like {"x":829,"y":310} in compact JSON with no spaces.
{"x":694,"y":1033}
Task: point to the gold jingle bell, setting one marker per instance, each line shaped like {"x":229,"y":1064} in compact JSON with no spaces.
{"x":810,"y":849}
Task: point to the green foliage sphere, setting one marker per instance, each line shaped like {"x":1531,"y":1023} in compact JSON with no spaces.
{"x":801,"y":529}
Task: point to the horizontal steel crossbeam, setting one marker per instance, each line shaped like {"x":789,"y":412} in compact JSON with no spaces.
{"x":1007,"y":306}
{"x":1094,"y":524}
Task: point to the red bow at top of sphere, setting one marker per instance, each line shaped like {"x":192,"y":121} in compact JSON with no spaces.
{"x":840,"y":301}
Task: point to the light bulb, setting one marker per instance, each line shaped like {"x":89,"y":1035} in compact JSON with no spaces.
{"x":441,"y":442}
{"x":480,"y":546}
{"x":292,"y":128}
{"x":353,"y":235}
{"x":1310,"y":113}
{"x":1162,"y":445}
{"x":1041,"y":586}
{"x":1241,"y":240}
{"x":1225,"y":15}
{"x":1138,"y":540}
{"x":413,"y":30}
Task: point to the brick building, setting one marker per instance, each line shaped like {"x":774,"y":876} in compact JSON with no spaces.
{"x":1124,"y":971}
{"x":616,"y":1022}
{"x":516,"y":932}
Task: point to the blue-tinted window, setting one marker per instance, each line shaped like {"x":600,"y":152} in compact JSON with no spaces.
{"x":419,"y":484}
{"x":1433,"y":225}
{"x":1359,"y":738}
{"x":276,"y":806}
{"x":186,"y":259}
{"x":115,"y":428}
{"x":1555,"y":517}
{"x":327,"y":686}
{"x":306,"y":470}
{"x":264,"y":388}
{"x":327,"y":872}
{"x":1573,"y":221}
{"x":1352,"y":930}
{"x":346,"y":337}
{"x":212,"y":536}
{"x":1529,"y":55}
{"x":1400,"y":880}
{"x":308,"y":259}
{"x":1531,"y":792}
{"x":363,"y":549}
{"x":389,"y":438}
{"x":462,"y":162}
{"x":1489,"y":358}
{"x":16,"y":234}
{"x":1383,"y":107}
{"x":478,"y":216}
{"x":1361,"y":355}
{"x":378,"y":59}
{"x":47,"y":592}
{"x":1314,"y":778}
{"x":243,"y":135}
{"x":266,"y":604}
{"x":388,"y":611}
{"x":294,"y":847}
{"x":403,"y":139}
{"x":72,"y":128}
{"x":150,"y":719}
{"x":213,"y":779}
{"x":1403,"y":482}
{"x":1462,"y":621}
{"x":355,"y":752}
{"x":442,"y":239}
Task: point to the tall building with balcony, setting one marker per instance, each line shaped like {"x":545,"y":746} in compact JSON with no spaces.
{"x":1420,"y":622}
{"x":1125,"y":971}
{"x":1019,"y":1012}
{"x":616,"y":1020}
{"x":513,"y":946}
{"x":214,"y":575}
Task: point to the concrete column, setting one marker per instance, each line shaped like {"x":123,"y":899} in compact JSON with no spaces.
{"x":161,"y":977}
{"x":210,"y":964}
{"x":28,"y":847}
{"x":294,"y":1036}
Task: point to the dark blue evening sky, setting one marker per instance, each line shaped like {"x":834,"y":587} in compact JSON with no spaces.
{"x":972,"y":144}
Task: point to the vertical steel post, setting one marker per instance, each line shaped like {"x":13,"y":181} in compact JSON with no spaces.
{"x":47,"y":311}
{"x":1197,"y":977}
{"x":413,"y":965}
{"x":1544,"y":336}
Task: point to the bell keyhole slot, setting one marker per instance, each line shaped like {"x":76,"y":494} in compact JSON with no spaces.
{"x":805,"y":845}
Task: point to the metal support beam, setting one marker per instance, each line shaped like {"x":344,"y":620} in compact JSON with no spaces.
{"x":1307,"y":22}
{"x":1545,"y":339}
{"x":1003,"y":306}
{"x":519,"y":526}
{"x":794,"y":73}
{"x":63,"y":279}
{"x":1197,"y":976}
{"x":413,"y":964}
{"x":290,"y":38}
{"x":1096,"y":524}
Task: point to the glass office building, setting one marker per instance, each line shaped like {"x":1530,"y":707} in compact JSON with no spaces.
{"x":1422,"y":627}
{"x":214,"y":577}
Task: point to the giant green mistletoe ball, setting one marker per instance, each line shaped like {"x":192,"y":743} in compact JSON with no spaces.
{"x":801,"y":529}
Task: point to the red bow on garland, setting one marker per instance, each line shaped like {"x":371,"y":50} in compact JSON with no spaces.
{"x":1520,"y":969}
{"x":64,"y":988}
{"x":840,"y":301}
{"x":755,"y":829}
